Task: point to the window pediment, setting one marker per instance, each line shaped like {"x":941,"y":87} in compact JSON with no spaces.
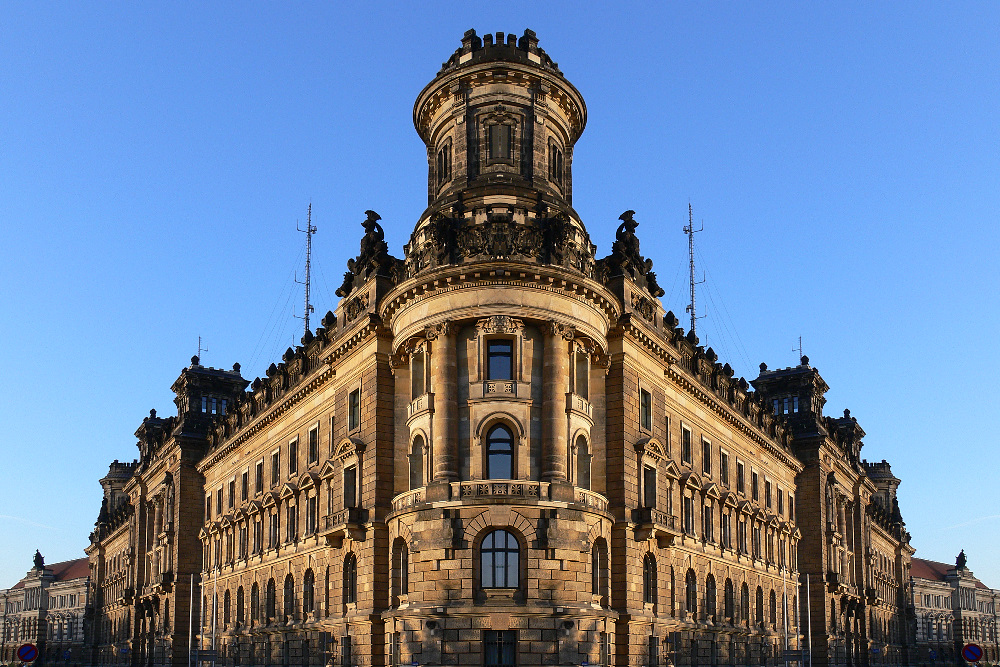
{"x":349,"y":447}
{"x":288,"y":490}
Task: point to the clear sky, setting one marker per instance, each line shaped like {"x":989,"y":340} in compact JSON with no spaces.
{"x":155,"y":157}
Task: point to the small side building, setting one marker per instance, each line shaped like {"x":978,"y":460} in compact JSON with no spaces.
{"x":46,"y":608}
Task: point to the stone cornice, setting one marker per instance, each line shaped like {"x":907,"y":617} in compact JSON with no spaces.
{"x":507,"y":274}
{"x":737,"y":421}
{"x":304,"y":389}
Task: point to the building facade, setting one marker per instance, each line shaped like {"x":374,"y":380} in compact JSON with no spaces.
{"x":500,"y":449}
{"x":46,"y":608}
{"x":953,"y":608}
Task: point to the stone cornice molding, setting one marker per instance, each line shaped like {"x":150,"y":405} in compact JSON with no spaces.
{"x":304,"y":389}
{"x":737,"y":421}
{"x":507,"y":274}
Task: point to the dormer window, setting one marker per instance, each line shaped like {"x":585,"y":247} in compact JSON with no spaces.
{"x":213,"y":406}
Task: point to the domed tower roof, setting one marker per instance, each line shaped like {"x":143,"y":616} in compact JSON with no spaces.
{"x":500,"y":121}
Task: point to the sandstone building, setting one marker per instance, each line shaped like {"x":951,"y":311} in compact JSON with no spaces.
{"x":46,"y":608}
{"x":500,"y":450}
{"x":953,"y":608}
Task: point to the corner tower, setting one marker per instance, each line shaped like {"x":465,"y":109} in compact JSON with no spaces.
{"x":500,"y":121}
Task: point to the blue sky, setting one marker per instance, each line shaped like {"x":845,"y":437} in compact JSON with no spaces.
{"x":154,"y":160}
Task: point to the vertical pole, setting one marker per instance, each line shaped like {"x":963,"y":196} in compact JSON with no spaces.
{"x":190,"y":618}
{"x":784,"y":610}
{"x":215,"y":611}
{"x":201,"y":622}
{"x":809,"y":618}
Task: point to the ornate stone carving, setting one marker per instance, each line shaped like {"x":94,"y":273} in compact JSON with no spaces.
{"x":625,"y":258}
{"x":500,"y":238}
{"x":373,"y":259}
{"x":500,"y":324}
{"x":565,"y":331}
{"x":356,"y":306}
{"x":441,"y":329}
{"x":643,"y":306}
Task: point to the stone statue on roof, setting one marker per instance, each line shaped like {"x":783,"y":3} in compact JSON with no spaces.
{"x":39,"y":560}
{"x":961,"y":560}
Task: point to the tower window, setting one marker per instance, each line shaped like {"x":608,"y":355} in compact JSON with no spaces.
{"x":500,"y":360}
{"x":354,"y":410}
{"x":500,"y":553}
{"x":444,"y":164}
{"x":500,"y":142}
{"x":417,"y":375}
{"x":499,"y":454}
{"x":555,"y":164}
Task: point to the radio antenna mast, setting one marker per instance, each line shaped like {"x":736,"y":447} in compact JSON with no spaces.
{"x":308,"y":231}
{"x":691,"y":231}
{"x":799,"y":348}
{"x":200,"y":348}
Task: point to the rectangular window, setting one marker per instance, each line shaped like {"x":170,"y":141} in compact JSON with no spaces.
{"x":204,"y":403}
{"x":767,"y":494}
{"x":500,"y":648}
{"x":354,"y":410}
{"x":686,"y":455}
{"x":311,"y":515}
{"x":653,"y":652}
{"x":688,"y":509}
{"x":754,"y":489}
{"x":582,"y":376}
{"x":791,"y":508}
{"x":649,"y":486}
{"x":708,"y":523}
{"x":314,"y":444}
{"x":245,"y":486}
{"x":645,"y":410}
{"x":208,"y":508}
{"x":741,"y":478}
{"x":218,"y":502}
{"x":416,"y":375}
{"x":259,"y":481}
{"x":232,"y":493}
{"x":724,"y":468}
{"x":706,"y":457}
{"x":795,"y":403}
{"x":500,"y":360}
{"x":781,"y":504}
{"x":351,"y":486}
{"x":293,"y":457}
{"x":666,"y":434}
{"x":499,"y":142}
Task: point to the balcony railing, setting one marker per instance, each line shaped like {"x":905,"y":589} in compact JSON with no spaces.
{"x":527,"y":490}
{"x":348,"y":522}
{"x":651,"y":522}
{"x":408,"y":499}
{"x":589,"y":498}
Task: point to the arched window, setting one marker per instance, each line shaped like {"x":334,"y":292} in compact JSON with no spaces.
{"x":289,"y":597}
{"x":774,"y":610}
{"x":240,"y":606}
{"x":499,"y":453}
{"x":599,"y":569}
{"x":226,"y":605}
{"x":400,"y":570}
{"x":745,"y":603}
{"x":730,"y":601}
{"x":582,"y":463}
{"x":350,"y":579}
{"x":760,"y":605}
{"x":691,"y":593}
{"x":417,"y":463}
{"x":501,"y":560}
{"x":270,"y":605}
{"x":649,"y":579}
{"x":254,"y":603}
{"x":308,"y":592}
{"x":710,"y":596}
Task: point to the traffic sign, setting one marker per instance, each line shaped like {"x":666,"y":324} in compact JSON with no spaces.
{"x":972,"y":652}
{"x":27,"y":652}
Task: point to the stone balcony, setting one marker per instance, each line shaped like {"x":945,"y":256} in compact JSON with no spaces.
{"x":346,"y":523}
{"x":653,"y":523}
{"x":500,"y":490}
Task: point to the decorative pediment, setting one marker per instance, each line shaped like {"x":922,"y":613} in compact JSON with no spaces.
{"x":227,"y":521}
{"x":690,"y":480}
{"x":500,"y":324}
{"x":308,"y":480}
{"x":270,"y":499}
{"x":651,"y":447}
{"x":759,"y":515}
{"x":213,"y":527}
{"x":349,"y":447}
{"x":711,"y":490}
{"x":328,"y":470}
{"x":254,"y":508}
{"x":772,"y":521}
{"x":746,"y":508}
{"x":796,"y":534}
{"x":785,"y":528}
{"x":202,"y":534}
{"x":288,"y":490}
{"x":671,"y":470}
{"x":729,"y":499}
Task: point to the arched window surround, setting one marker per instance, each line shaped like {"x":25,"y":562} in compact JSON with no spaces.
{"x":519,"y":568}
{"x":519,"y":447}
{"x":418,"y":458}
